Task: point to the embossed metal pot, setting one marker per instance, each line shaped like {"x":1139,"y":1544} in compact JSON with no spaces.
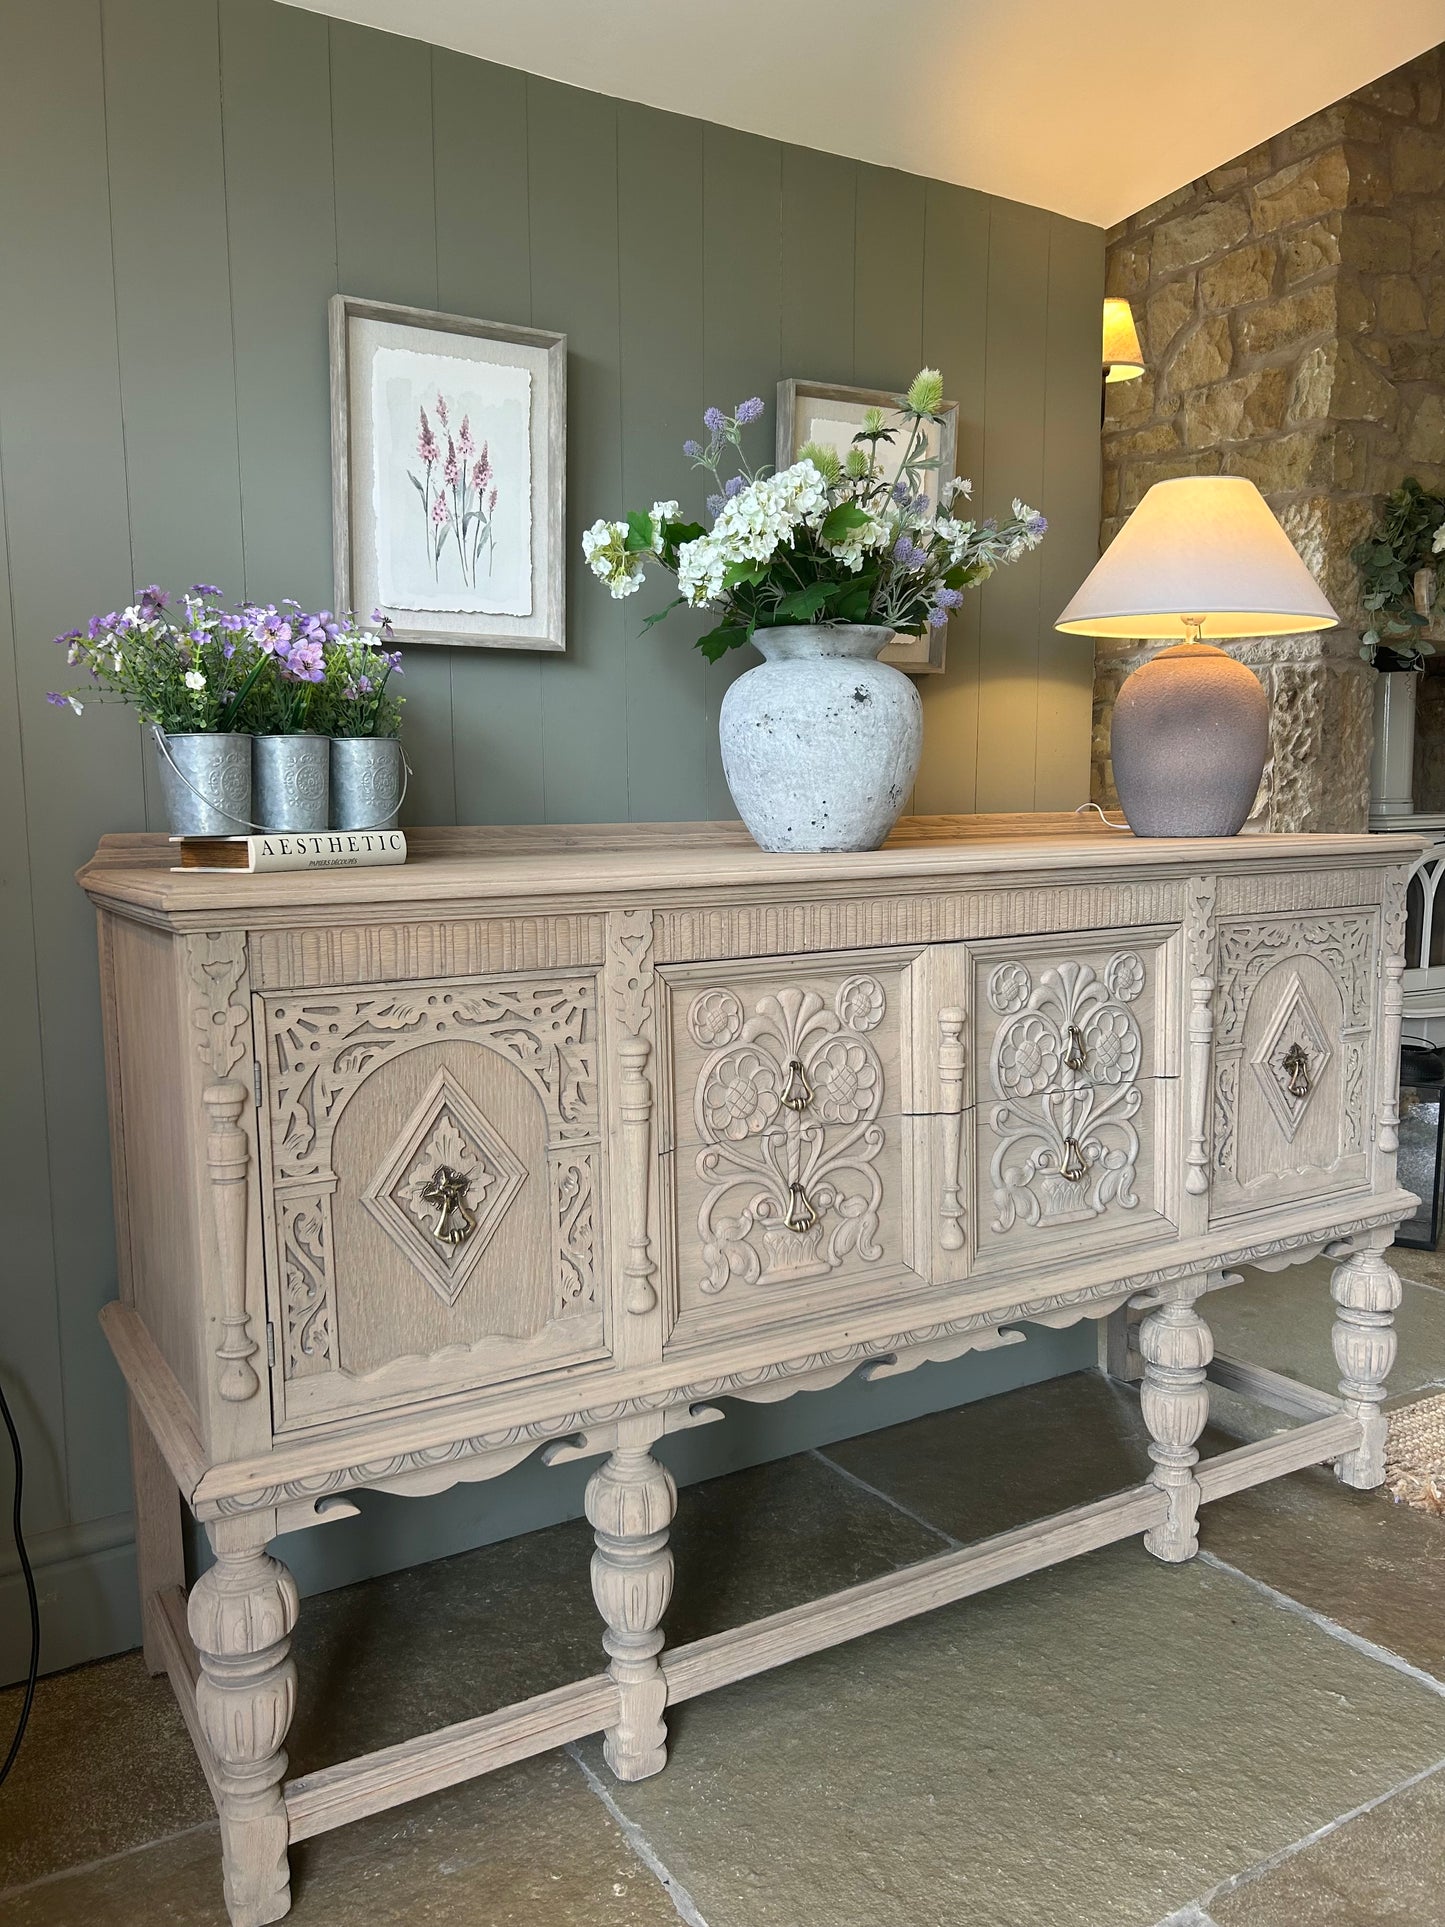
{"x":820,"y":743}
{"x":205,"y":782}
{"x":292,"y":782}
{"x":367,"y":782}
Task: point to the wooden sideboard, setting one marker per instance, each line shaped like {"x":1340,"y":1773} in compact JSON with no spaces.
{"x":551,"y":1139}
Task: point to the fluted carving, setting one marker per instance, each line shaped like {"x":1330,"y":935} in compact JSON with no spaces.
{"x":950,"y":1079}
{"x":241,"y":1614}
{"x":630,"y":1503}
{"x":228,"y":1153}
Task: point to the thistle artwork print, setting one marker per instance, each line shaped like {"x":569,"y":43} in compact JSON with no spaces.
{"x":451,"y":475}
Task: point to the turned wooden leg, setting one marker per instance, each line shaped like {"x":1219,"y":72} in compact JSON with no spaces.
{"x":160,"y":1559}
{"x":1176,"y":1347}
{"x":1367,"y":1291}
{"x":241,"y":1614}
{"x":630,"y":1503}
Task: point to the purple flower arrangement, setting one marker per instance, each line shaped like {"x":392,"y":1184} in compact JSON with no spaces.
{"x":196,"y":666}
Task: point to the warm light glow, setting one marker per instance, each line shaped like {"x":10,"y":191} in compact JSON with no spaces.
{"x":1123,"y":357}
{"x":1205,"y":548}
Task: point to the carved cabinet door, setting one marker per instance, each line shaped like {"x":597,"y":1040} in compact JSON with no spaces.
{"x":785,"y":1135}
{"x":1075,"y":1083}
{"x":430,"y":1173}
{"x":1293,"y":1065}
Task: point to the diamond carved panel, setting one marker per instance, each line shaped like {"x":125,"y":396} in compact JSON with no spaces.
{"x":441,"y":1193}
{"x":1291,"y":1060}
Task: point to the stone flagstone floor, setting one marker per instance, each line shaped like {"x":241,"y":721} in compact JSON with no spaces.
{"x":1253,"y":1740}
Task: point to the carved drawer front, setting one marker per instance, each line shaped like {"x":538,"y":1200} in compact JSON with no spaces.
{"x":1075,"y":1088}
{"x":431,"y":1179}
{"x":785,"y":1175}
{"x":1293,"y":1062}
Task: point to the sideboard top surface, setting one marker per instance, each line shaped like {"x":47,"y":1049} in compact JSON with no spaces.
{"x":456,"y":866}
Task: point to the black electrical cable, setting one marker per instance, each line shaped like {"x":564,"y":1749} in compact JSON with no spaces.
{"x":34,"y":1672}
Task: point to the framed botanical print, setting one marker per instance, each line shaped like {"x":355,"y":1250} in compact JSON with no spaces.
{"x":449,"y":475}
{"x":816,"y":411}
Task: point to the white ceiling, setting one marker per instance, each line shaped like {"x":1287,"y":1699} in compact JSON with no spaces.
{"x":1094,"y":111}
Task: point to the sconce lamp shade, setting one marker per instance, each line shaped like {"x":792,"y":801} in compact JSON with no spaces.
{"x":1190,"y":732}
{"x":1123,"y":357}
{"x":1202,"y":550}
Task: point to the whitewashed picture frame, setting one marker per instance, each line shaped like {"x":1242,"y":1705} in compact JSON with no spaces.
{"x":449,"y":475}
{"x":816,"y":411}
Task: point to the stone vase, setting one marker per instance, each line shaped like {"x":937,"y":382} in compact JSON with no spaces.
{"x":291,"y":782}
{"x":1392,"y":765}
{"x":820,"y":743}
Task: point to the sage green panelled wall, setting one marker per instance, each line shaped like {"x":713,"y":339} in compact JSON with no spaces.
{"x":182,"y":185}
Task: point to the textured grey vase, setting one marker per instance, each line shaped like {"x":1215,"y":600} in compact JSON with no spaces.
{"x":291,"y":782}
{"x":820,"y":743}
{"x":205,"y":782}
{"x":1189,"y":741}
{"x":366,"y":782}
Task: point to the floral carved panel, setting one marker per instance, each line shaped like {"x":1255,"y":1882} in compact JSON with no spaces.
{"x":786,"y":1108}
{"x":1065,"y":1065}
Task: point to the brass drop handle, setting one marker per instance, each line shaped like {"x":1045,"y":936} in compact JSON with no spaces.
{"x":1296,"y":1067}
{"x":1075,"y":1166}
{"x":801,"y":1215}
{"x":448,"y":1192}
{"x":797,"y":1091}
{"x":1076,"y":1051}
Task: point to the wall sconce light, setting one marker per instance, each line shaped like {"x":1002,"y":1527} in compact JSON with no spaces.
{"x":1123,"y":357}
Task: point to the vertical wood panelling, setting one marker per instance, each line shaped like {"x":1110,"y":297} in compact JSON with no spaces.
{"x":888,"y":240}
{"x":183,"y":183}
{"x":1070,"y":498}
{"x":484,"y":267}
{"x":281,"y":224}
{"x":572,"y":150}
{"x":69,"y":546}
{"x":955,"y":326}
{"x":820,"y":214}
{"x":659,"y":192}
{"x":386,"y":250}
{"x":1014,"y":426}
{"x":172,"y":291}
{"x":32,"y":1374}
{"x":742,"y":354}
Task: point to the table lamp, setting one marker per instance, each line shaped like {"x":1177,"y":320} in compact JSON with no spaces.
{"x":1191,"y":726}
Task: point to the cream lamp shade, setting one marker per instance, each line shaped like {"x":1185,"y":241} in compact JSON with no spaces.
{"x":1202,"y":556}
{"x":1123,"y":357}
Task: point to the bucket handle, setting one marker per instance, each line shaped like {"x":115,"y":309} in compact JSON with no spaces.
{"x":364,"y":829}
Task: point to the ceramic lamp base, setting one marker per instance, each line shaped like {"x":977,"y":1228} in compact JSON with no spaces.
{"x":1189,"y":741}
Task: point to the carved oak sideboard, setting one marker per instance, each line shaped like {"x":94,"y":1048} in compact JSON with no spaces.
{"x":550,"y":1139}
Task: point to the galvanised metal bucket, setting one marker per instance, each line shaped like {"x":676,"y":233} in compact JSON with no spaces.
{"x":291,"y":782}
{"x":206,"y":782}
{"x":368,"y":781}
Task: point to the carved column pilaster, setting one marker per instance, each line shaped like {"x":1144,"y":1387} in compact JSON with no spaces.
{"x":1176,"y":1346}
{"x":1392,"y":1006}
{"x":1367,"y":1291}
{"x":950,"y":1078}
{"x":228,"y":1153}
{"x":630,"y":1503}
{"x":241,"y":1614}
{"x":630,"y":978}
{"x":1199,"y":944}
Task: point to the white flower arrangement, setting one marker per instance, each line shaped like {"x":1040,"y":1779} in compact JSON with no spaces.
{"x":827,"y":539}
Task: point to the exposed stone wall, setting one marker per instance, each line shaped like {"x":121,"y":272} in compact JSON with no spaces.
{"x":1292,"y":311}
